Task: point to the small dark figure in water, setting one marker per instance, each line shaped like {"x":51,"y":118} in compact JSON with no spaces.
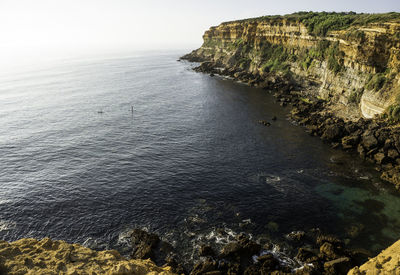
{"x":265,"y":123}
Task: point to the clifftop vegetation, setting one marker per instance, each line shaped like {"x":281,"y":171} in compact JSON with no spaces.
{"x":320,"y":23}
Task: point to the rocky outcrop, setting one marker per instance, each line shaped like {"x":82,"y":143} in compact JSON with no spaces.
{"x":332,"y":81}
{"x":356,"y":69}
{"x":387,"y":262}
{"x":30,"y":256}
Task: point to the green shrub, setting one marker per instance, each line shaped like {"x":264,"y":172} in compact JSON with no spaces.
{"x":306,"y":63}
{"x":243,"y":63}
{"x":393,"y":113}
{"x":320,"y":23}
{"x":319,"y":52}
{"x":377,"y":82}
{"x":335,"y":58}
{"x":355,"y":97}
{"x":275,"y":57}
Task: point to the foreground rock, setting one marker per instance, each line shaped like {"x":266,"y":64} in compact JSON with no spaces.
{"x":387,"y":262}
{"x":317,"y":254}
{"x":30,"y":256}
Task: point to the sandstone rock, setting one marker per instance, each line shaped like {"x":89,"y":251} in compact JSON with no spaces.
{"x":54,"y":257}
{"x":361,"y":151}
{"x":296,"y":235}
{"x":369,"y":141}
{"x":393,"y":153}
{"x":242,"y":249}
{"x":240,"y":252}
{"x":387,"y":262}
{"x":268,"y":263}
{"x":379,"y":158}
{"x":203,"y":267}
{"x":338,"y":266}
{"x":332,"y":132}
{"x":321,"y":239}
{"x":143,"y":244}
{"x":306,"y":255}
{"x":328,"y":250}
{"x":350,"y":142}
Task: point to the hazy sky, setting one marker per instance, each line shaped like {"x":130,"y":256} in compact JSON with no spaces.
{"x":29,"y":27}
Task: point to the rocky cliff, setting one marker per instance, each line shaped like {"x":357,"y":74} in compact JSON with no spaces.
{"x":353,"y":60}
{"x":30,"y":256}
{"x":387,"y":262}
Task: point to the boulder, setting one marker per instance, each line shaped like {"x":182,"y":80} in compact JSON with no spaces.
{"x":321,"y":239}
{"x":361,"y":151}
{"x":203,"y":267}
{"x":241,"y":251}
{"x":333,"y":132}
{"x":392,"y":153}
{"x":143,"y":244}
{"x":369,"y":141}
{"x":206,"y":250}
{"x":380,"y":158}
{"x":338,"y":266}
{"x":296,"y":235}
{"x":328,"y":251}
{"x":350,"y":142}
{"x":268,"y":263}
{"x":306,"y":255}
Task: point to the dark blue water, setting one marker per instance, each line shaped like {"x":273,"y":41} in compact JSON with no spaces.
{"x":189,"y":159}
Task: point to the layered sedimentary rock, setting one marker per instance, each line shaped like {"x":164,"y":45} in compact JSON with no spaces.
{"x":30,"y":256}
{"x":387,"y":262}
{"x":342,"y":63}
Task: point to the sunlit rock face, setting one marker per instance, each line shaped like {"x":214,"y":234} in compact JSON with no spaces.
{"x":363,"y":52}
{"x":30,"y":256}
{"x":387,"y":262}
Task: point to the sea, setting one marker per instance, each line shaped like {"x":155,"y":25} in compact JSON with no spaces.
{"x":93,"y":148}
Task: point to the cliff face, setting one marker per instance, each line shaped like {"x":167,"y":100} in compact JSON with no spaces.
{"x":30,"y":256}
{"x":387,"y":262}
{"x":356,"y":69}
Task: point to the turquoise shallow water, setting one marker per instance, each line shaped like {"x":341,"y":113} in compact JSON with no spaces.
{"x":190,"y":158}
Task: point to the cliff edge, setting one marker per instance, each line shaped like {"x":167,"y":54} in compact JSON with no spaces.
{"x":30,"y":256}
{"x":387,"y":262}
{"x":352,"y":59}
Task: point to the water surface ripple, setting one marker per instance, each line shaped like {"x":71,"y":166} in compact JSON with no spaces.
{"x":190,"y":158}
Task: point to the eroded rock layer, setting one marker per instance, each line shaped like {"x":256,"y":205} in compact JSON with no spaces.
{"x":356,"y":69}
{"x":387,"y":262}
{"x":30,"y":256}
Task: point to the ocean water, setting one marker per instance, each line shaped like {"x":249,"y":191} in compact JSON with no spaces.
{"x":77,"y":164}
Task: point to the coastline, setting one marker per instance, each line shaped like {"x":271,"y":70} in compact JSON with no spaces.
{"x":375,"y":140}
{"x":243,"y":256}
{"x":58,"y":257}
{"x":317,"y":253}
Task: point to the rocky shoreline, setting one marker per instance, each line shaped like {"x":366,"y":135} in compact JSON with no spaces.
{"x":375,"y":140}
{"x":316,"y":254}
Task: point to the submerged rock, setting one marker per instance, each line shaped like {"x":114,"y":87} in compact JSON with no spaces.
{"x":143,"y":244}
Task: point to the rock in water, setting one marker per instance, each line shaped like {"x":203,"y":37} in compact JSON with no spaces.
{"x":337,"y":267}
{"x":143,"y":244}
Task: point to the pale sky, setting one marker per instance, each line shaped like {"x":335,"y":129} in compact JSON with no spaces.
{"x":43,"y":27}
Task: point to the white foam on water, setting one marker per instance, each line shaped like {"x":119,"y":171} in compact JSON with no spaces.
{"x":7,"y":225}
{"x":272,"y":179}
{"x":5,"y":201}
{"x":281,"y":256}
